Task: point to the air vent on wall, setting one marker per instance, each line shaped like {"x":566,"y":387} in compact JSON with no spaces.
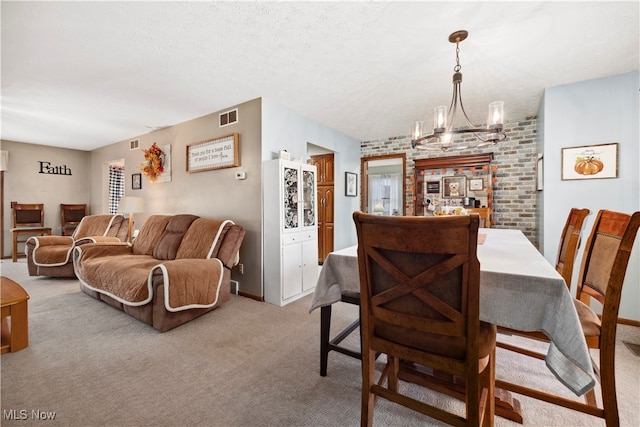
{"x":134,"y":144}
{"x":229,"y":117}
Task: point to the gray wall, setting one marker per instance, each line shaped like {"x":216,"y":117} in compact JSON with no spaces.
{"x":211,"y":194}
{"x":24,"y":184}
{"x":594,"y":112}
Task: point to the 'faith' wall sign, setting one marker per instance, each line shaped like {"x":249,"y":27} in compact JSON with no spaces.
{"x":45,"y":167}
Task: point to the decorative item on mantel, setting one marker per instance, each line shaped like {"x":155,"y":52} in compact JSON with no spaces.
{"x":443,"y":131}
{"x":153,"y":165}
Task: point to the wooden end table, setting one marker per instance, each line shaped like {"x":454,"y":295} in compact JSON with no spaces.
{"x":14,"y":331}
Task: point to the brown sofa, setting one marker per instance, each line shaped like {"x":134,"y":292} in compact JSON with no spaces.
{"x":178,"y":268}
{"x":53,"y":255}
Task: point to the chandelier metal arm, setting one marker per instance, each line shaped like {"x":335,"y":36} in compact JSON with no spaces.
{"x":476,"y":131}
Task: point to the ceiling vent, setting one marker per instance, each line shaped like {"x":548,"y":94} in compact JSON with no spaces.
{"x":134,"y":144}
{"x":229,"y":117}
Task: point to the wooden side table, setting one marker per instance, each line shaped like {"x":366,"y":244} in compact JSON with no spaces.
{"x":14,"y":323}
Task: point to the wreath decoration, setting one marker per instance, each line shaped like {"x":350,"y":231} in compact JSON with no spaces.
{"x":153,"y":165}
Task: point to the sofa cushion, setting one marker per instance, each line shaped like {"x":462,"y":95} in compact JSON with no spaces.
{"x":170,"y":240}
{"x":203,"y":239}
{"x":119,"y":228}
{"x":150,"y":234}
{"x":122,"y":277}
{"x":96,"y":225}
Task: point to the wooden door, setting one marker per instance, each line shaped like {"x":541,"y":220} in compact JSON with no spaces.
{"x":325,"y":226}
{"x":324,"y":164}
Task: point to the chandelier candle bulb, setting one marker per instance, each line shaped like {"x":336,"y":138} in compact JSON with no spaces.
{"x":416,"y":130}
{"x":439,"y":118}
{"x":496,"y":113}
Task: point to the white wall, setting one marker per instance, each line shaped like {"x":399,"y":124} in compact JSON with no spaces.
{"x":283,"y":129}
{"x":593,"y":112}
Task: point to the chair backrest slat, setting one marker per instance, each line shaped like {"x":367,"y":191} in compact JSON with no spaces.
{"x":569,"y":243}
{"x":606,"y":256}
{"x":28,"y":215}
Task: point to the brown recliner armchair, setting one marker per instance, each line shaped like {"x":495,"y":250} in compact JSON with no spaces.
{"x":53,"y":255}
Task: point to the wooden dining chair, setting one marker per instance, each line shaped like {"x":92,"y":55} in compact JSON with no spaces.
{"x":569,"y":243}
{"x":565,"y":258}
{"x":485,"y":216}
{"x":28,"y":220}
{"x":419,"y":298}
{"x":602,"y":271}
{"x":70,"y":217}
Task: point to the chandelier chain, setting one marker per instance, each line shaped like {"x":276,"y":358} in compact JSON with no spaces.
{"x":457,"y":67}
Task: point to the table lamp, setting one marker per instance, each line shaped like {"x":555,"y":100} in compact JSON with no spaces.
{"x":131,"y":205}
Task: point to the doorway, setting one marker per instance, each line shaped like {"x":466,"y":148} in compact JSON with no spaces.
{"x":383,"y":184}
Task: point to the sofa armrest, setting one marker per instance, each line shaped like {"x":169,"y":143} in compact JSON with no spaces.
{"x":41,"y":241}
{"x":230,"y":248}
{"x":190,"y":283}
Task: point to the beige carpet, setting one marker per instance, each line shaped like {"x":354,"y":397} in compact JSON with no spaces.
{"x":244,"y":364}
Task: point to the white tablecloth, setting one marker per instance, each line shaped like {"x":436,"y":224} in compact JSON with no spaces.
{"x":519,"y":289}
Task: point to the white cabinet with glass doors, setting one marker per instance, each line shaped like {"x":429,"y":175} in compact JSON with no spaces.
{"x":290,"y":225}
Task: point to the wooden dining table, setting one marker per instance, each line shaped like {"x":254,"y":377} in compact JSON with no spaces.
{"x":519,"y":289}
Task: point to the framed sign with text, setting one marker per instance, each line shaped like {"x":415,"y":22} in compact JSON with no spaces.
{"x":217,"y":153}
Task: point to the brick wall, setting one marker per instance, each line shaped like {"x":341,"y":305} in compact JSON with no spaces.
{"x":514,"y":189}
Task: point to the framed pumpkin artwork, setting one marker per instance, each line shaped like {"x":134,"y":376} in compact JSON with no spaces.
{"x":590,"y":162}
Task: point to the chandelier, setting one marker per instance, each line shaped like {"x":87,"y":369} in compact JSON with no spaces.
{"x":443,"y":118}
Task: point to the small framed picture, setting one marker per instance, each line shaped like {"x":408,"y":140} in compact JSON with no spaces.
{"x":454,"y":186}
{"x":539,"y":173}
{"x":433,"y":187}
{"x":136,"y":181}
{"x":350,"y":184}
{"x":476,"y":184}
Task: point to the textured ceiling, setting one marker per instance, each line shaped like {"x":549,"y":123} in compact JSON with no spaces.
{"x":87,"y":74}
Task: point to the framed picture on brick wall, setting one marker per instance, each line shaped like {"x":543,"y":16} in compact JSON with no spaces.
{"x":433,"y":187}
{"x":454,"y":186}
{"x":476,"y":184}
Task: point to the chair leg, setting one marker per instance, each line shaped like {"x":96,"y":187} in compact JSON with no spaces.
{"x":608,"y":387}
{"x":474,"y":385}
{"x":325,"y":328}
{"x":368,"y":379}
{"x":14,"y":252}
{"x":392,"y":377}
{"x":489,"y":376}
